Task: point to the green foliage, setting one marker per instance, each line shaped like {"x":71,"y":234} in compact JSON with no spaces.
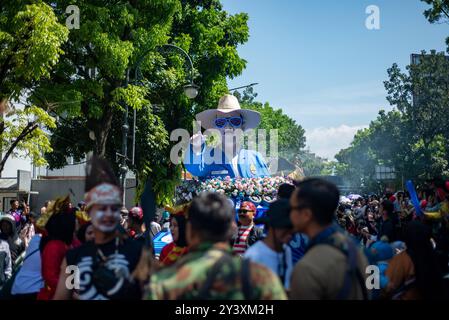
{"x":30,"y":46}
{"x":89,"y":87}
{"x":291,"y":137}
{"x":312,"y":164}
{"x":438,"y":13}
{"x":133,"y":96}
{"x":439,"y":10}
{"x":413,"y":138}
{"x":23,"y":134}
{"x":30,"y":40}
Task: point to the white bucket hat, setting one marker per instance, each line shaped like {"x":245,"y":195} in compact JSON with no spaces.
{"x":228,"y":104}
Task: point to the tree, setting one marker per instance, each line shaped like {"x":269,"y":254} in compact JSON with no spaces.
{"x":30,"y":46}
{"x":248,"y":96}
{"x":358,"y":161}
{"x":439,"y":10}
{"x":291,"y":137}
{"x":91,"y":86}
{"x":23,"y":134}
{"x":413,"y":138}
{"x":422,"y":96}
{"x":90,"y":80}
{"x":312,"y":164}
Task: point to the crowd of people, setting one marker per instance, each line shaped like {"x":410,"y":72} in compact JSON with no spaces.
{"x":410,"y":248}
{"x":309,"y":245}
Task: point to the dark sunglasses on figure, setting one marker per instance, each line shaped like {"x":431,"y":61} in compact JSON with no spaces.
{"x":235,"y":122}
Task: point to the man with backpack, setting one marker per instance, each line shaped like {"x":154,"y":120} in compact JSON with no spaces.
{"x":209,"y":271}
{"x":273,"y":251}
{"x":333,"y":267}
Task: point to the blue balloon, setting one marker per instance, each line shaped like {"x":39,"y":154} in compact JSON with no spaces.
{"x":414,"y":197}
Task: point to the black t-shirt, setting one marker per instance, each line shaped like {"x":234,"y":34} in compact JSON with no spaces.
{"x":89,"y":255}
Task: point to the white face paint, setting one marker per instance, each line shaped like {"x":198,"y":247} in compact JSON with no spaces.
{"x":105,"y":217}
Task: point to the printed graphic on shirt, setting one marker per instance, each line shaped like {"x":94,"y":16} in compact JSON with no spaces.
{"x":88,"y":291}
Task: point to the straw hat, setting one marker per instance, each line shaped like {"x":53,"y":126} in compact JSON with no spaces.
{"x":226,"y":105}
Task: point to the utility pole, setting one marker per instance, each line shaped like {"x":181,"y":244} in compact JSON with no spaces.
{"x":124,"y":155}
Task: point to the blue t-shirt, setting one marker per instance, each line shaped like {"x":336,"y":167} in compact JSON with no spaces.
{"x":29,"y":278}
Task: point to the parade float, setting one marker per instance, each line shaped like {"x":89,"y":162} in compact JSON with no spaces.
{"x":260,"y":191}
{"x":239,"y":174}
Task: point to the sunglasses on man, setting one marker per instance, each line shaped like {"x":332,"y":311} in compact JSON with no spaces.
{"x":235,"y":122}
{"x":244,"y":211}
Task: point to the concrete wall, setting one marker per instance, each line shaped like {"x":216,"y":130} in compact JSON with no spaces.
{"x":13,"y":164}
{"x":77,"y":170}
{"x":52,"y":189}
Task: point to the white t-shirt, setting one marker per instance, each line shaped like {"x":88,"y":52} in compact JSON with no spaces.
{"x":29,"y":279}
{"x":262,"y":254}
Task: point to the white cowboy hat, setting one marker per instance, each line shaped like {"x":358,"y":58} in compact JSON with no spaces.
{"x":228,"y":104}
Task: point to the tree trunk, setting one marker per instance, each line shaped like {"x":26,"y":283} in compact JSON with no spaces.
{"x":25,"y":132}
{"x":101,"y":134}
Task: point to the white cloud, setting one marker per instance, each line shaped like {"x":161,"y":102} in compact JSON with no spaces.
{"x":326,"y":142}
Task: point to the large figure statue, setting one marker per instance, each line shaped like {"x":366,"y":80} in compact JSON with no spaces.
{"x":202,"y":161}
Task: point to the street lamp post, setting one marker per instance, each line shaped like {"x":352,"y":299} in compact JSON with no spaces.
{"x":191,"y":91}
{"x":125,"y":128}
{"x":244,"y":87}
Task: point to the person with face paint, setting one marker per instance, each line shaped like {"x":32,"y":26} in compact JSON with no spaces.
{"x":105,"y":264}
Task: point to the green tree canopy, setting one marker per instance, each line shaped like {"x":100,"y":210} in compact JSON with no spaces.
{"x":413,"y":138}
{"x":30,"y":46}
{"x":90,"y":89}
{"x":291,"y":138}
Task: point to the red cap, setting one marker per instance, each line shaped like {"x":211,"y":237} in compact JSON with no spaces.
{"x":392,"y":199}
{"x":248,"y":205}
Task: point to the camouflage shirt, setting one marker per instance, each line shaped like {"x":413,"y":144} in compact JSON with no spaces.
{"x":185,"y":279}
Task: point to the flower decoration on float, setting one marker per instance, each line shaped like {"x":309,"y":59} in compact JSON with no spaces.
{"x":258,"y":190}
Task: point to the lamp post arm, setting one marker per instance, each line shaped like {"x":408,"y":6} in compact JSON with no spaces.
{"x":244,"y":87}
{"x":148,"y":198}
{"x":186,"y":55}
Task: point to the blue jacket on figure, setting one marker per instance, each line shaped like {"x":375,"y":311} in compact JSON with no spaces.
{"x":247,"y":164}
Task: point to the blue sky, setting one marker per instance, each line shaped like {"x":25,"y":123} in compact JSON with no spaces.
{"x":318,"y":62}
